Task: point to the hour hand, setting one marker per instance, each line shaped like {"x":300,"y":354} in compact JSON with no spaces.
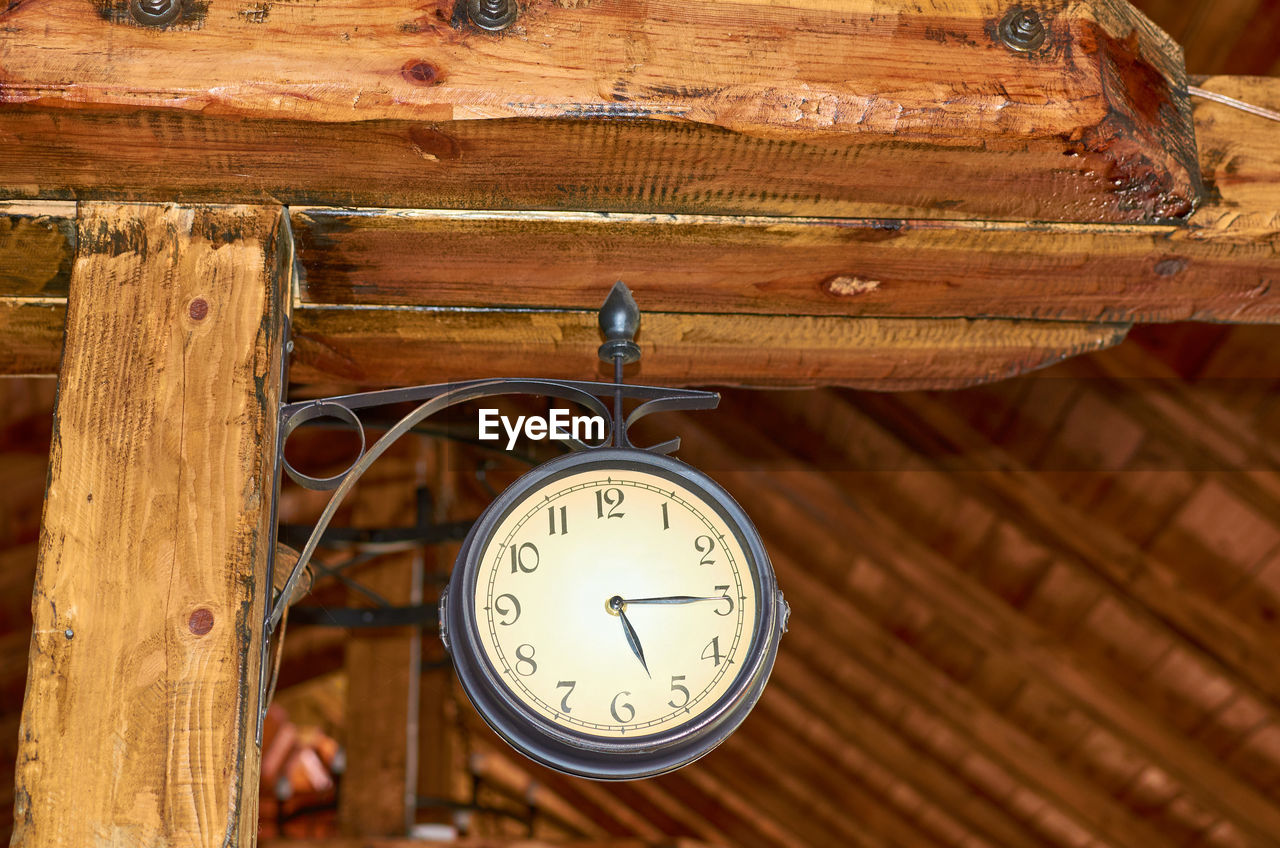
{"x":634,"y":641}
{"x":617,"y":605}
{"x":672,"y":599}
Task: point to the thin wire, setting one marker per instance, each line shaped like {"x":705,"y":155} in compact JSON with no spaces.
{"x":1260,"y":111}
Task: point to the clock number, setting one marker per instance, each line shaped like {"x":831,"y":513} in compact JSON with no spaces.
{"x":705,"y":545}
{"x":503,"y":610}
{"x":564,"y":702}
{"x":518,"y":558}
{"x":613,"y":708}
{"x":676,"y":687}
{"x":666,"y":522}
{"x":712,"y":651}
{"x":724,"y":593}
{"x":611,"y":498}
{"x":564,"y":520}
{"x":521,"y":660}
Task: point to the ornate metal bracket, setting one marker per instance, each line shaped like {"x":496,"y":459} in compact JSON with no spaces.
{"x":619,"y":322}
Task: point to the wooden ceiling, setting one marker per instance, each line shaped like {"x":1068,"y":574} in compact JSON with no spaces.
{"x":1043,"y":612}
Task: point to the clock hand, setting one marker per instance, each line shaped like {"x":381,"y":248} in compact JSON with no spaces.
{"x":616,"y":604}
{"x":671,"y":599}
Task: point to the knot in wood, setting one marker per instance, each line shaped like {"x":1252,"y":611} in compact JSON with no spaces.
{"x":419,"y":72}
{"x":201,"y":621}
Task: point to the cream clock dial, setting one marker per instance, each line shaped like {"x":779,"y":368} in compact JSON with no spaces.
{"x":615,"y":602}
{"x":613,"y":614}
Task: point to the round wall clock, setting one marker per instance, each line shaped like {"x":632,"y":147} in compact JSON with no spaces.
{"x":613,"y":614}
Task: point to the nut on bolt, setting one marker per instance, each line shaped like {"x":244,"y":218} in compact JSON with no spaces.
{"x":492,"y":15}
{"x":154,"y":13}
{"x":1022,"y":30}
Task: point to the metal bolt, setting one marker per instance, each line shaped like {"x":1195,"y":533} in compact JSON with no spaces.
{"x":69,"y":633}
{"x":1022,"y":30}
{"x":155,"y":13}
{"x":493,"y":15}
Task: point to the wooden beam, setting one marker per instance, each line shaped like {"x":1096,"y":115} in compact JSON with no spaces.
{"x":720,"y":107}
{"x":380,"y":784}
{"x":142,"y":695}
{"x":352,"y":347}
{"x":37,"y":246}
{"x":1222,"y":266}
{"x":401,"y":346}
{"x":31,"y":336}
{"x":442,"y":767}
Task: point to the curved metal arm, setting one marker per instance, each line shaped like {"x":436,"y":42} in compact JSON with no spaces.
{"x":439,"y":398}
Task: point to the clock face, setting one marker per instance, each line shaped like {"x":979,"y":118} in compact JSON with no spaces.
{"x":615,"y":602}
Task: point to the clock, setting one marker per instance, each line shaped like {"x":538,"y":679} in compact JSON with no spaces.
{"x":613,"y":614}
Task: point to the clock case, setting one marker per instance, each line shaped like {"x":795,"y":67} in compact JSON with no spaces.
{"x":577,"y":753}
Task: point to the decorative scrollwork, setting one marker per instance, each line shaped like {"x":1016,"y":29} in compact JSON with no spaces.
{"x":437,"y":398}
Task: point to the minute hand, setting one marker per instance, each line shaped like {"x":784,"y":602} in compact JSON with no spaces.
{"x":672,"y":599}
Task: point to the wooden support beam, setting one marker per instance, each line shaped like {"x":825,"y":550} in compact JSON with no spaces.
{"x":380,"y":784}
{"x":442,"y":767}
{"x":142,"y":695}
{"x":1223,"y":265}
{"x":343,"y":348}
{"x":31,"y":336}
{"x":37,"y":246}
{"x":363,"y":347}
{"x":723,"y":106}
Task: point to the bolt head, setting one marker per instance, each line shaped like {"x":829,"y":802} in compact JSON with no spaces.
{"x":154,"y":13}
{"x":1022,"y":30}
{"x":492,"y":15}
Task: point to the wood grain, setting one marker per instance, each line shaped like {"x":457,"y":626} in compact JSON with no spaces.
{"x":1224,"y":265}
{"x":143,"y":685}
{"x":392,"y":347}
{"x":31,"y":335}
{"x":863,"y":108}
{"x":349,"y":347}
{"x":37,"y":246}
{"x":875,"y":667}
{"x":996,"y":628}
{"x":382,"y":664}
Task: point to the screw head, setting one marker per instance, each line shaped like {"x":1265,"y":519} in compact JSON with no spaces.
{"x":492,"y":15}
{"x":154,"y":13}
{"x":1022,"y":30}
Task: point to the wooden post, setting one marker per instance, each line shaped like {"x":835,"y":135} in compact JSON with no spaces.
{"x":381,"y":781}
{"x":142,"y":696}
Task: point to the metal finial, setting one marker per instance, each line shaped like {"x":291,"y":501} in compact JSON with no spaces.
{"x":619,"y":321}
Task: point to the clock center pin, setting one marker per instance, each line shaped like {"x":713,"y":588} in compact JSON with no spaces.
{"x":615,"y":605}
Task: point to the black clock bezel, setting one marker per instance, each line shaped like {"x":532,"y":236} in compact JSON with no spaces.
{"x":580,"y":754}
